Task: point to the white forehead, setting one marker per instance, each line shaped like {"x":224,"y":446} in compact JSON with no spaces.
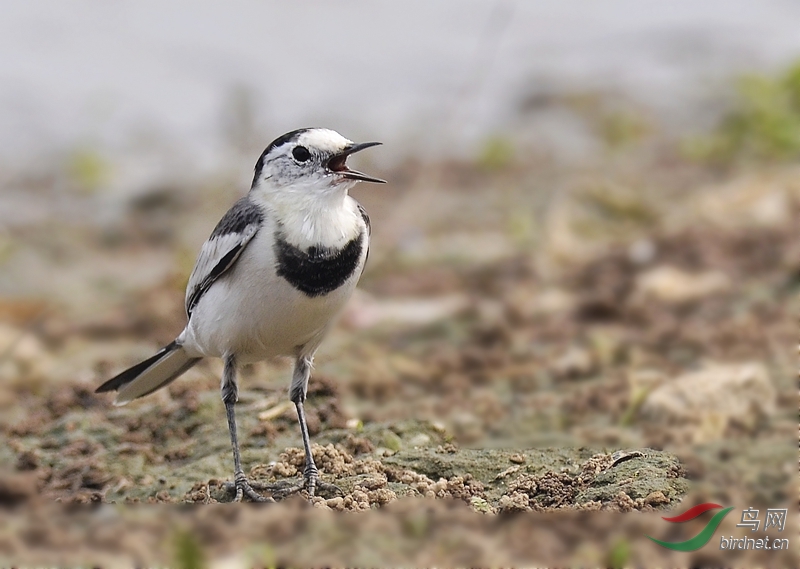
{"x":323,"y":139}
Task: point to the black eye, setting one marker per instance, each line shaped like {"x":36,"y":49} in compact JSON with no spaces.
{"x":301,"y":153}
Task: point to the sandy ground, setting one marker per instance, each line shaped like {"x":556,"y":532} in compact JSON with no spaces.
{"x":525,"y":340}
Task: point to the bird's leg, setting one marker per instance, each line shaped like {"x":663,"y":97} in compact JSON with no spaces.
{"x":297,"y":393}
{"x":311,"y":482}
{"x":230,"y":394}
{"x":310,"y":472}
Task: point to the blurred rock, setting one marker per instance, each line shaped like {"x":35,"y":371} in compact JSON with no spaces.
{"x":642,"y":251}
{"x":713,"y":398}
{"x":575,"y":362}
{"x":366,"y":311}
{"x":525,"y":303}
{"x":21,"y":311}
{"x":16,"y":489}
{"x":491,"y":312}
{"x":675,"y":286}
{"x":22,"y":356}
{"x":762,"y":201}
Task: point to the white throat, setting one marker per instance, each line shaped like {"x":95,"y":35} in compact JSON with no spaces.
{"x":310,"y":216}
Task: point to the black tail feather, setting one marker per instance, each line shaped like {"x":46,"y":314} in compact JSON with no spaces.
{"x":179,"y":372}
{"x":132,"y":373}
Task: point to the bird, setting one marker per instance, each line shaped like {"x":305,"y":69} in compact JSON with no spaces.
{"x":269,"y":281}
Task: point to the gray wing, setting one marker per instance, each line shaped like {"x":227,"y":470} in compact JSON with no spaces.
{"x":229,"y":238}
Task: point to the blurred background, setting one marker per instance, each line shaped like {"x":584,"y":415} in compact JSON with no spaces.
{"x":588,"y":237}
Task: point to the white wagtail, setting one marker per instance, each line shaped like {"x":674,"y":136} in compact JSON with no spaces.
{"x":278,"y":267}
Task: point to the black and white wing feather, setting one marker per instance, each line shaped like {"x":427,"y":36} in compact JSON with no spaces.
{"x":229,"y":238}
{"x":365,"y":217}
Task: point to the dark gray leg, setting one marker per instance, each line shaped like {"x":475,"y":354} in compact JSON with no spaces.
{"x":282,"y":488}
{"x":230,"y":394}
{"x":311,"y":482}
{"x":297,"y":393}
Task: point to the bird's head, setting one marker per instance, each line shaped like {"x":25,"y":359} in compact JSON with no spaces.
{"x":309,"y":160}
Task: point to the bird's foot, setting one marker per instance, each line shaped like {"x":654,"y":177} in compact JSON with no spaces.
{"x":240,"y":487}
{"x":328,"y":490}
{"x":281,"y":489}
{"x":310,"y":483}
{"x":313,"y":484}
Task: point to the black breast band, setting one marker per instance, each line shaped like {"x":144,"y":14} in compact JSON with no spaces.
{"x":317,"y":270}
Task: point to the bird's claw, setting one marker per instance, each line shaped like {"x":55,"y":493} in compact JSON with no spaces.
{"x":324,"y":488}
{"x":240,"y":487}
{"x":279,"y":490}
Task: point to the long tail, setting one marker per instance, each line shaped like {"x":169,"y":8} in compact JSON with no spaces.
{"x":151,"y":374}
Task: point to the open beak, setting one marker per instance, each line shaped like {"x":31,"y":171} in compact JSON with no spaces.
{"x":338,"y":164}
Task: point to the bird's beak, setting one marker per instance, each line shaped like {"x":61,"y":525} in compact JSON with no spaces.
{"x":338,"y":163}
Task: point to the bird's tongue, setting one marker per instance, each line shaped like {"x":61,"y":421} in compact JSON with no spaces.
{"x":338,"y":163}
